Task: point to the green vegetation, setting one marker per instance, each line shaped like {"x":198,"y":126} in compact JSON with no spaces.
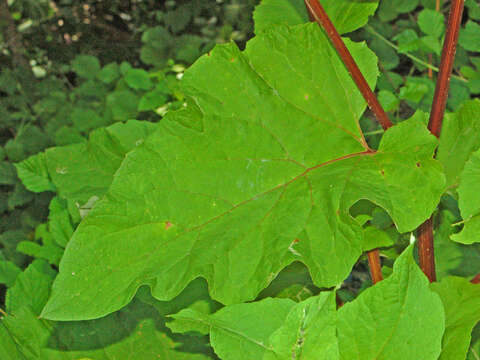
{"x":171,"y":190}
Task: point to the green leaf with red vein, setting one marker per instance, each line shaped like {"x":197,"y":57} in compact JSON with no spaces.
{"x":260,"y":170}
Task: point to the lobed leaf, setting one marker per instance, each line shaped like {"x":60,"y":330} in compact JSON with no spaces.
{"x":260,"y":170}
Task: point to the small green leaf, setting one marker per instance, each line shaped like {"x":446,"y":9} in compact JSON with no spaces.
{"x":20,"y":196}
{"x":431,"y":22}
{"x":473,"y":76}
{"x":407,"y":41}
{"x":7,"y":173}
{"x":85,"y":120}
{"x":123,"y":105}
{"x":29,"y":140}
{"x":375,"y":238}
{"x":86,"y":66}
{"x":34,"y":174}
{"x":469,"y":201}
{"x":389,"y":101}
{"x":389,"y":10}
{"x":59,"y":222}
{"x":152,"y":100}
{"x":430,"y":44}
{"x":8,"y":273}
{"x":109,"y":73}
{"x":66,"y":135}
{"x":452,"y":258}
{"x":31,"y":288}
{"x":458,"y":140}
{"x":473,"y":9}
{"x":469,"y":36}
{"x":138,"y":79}
{"x":413,"y":91}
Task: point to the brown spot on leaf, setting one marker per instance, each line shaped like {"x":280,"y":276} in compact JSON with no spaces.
{"x":168,"y":225}
{"x":382,"y":172}
{"x":418,"y":164}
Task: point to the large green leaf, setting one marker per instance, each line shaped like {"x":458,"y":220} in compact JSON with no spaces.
{"x":136,"y":332}
{"x":461,"y":300}
{"x":469,"y":201}
{"x":459,"y":139}
{"x":258,"y":171}
{"x":346,"y":15}
{"x":398,"y":318}
{"x":271,"y":329}
{"x":81,"y":171}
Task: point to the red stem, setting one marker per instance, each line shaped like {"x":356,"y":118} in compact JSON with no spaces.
{"x":446,"y":66}
{"x":425,"y":231}
{"x":375,"y":265}
{"x":339,"y":301}
{"x":425,"y":249}
{"x":318,"y":13}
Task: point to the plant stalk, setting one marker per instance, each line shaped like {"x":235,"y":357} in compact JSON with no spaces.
{"x":425,"y":231}
{"x":446,"y":66}
{"x":316,"y":12}
{"x":426,"y":254}
{"x":375,"y":265}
